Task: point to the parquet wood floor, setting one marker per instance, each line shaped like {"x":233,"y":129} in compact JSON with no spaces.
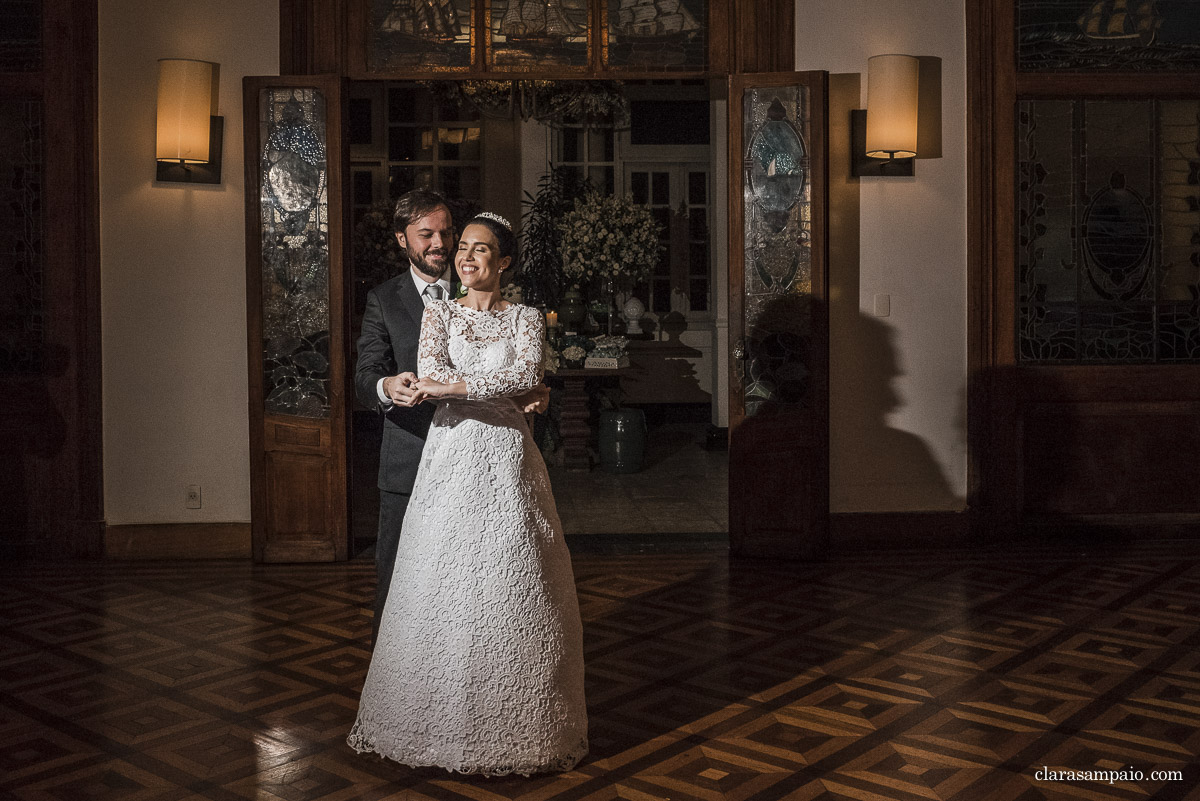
{"x":901,"y":676}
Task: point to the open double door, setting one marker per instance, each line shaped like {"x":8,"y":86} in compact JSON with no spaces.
{"x":298,"y":274}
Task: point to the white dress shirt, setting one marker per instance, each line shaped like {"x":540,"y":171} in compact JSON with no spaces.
{"x":421,"y":284}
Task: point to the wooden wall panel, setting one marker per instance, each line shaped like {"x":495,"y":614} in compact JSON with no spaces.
{"x":51,"y":501}
{"x":178,"y":541}
{"x":1111,"y":458}
{"x":1051,"y":444}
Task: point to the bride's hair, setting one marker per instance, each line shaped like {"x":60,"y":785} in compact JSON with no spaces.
{"x":505,"y":238}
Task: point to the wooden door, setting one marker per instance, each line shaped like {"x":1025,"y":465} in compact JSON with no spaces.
{"x":296,"y":244}
{"x":778,"y":320}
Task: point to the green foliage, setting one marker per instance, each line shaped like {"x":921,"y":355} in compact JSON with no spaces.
{"x":541,"y":278}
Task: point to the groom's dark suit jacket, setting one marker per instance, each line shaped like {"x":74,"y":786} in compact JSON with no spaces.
{"x":391,"y":327}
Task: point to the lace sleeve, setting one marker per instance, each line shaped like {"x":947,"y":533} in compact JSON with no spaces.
{"x":524,"y":373}
{"x":433,"y":351}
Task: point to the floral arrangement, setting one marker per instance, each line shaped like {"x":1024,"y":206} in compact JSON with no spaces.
{"x":608,"y":238}
{"x":574,"y":347}
{"x":609,"y":347}
{"x":577,"y":340}
{"x":550,"y":358}
{"x":573,"y":353}
{"x":512,"y":293}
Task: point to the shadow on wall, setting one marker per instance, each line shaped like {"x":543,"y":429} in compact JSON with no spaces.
{"x":871,"y":462}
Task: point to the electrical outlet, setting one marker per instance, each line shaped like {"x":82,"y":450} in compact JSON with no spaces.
{"x":192,"y":500}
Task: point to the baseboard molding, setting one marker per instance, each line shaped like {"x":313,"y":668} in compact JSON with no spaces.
{"x":178,"y":541}
{"x":898,"y":529}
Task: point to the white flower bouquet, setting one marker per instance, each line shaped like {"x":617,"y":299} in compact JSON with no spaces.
{"x":608,"y":238}
{"x":573,"y":353}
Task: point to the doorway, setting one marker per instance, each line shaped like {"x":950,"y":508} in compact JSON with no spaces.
{"x":770,"y":150}
{"x":402,"y":136}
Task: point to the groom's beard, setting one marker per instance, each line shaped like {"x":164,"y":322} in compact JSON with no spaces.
{"x":434,"y":268}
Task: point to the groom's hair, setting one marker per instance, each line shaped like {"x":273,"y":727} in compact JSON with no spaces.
{"x":414,"y":205}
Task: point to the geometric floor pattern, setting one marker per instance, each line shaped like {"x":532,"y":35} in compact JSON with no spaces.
{"x":905,"y":676}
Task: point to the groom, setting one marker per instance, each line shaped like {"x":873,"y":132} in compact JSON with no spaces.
{"x":387,"y":365}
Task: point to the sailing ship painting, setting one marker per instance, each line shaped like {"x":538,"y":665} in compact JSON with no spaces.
{"x":657,"y":33}
{"x":430,"y":20}
{"x":538,"y":23}
{"x":1108,"y":35}
{"x":420,"y":32}
{"x":1117,"y":20}
{"x":527,"y":34}
{"x":654,"y":20}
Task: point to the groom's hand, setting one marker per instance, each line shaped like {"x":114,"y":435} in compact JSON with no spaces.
{"x":535,"y":400}
{"x":400,"y":388}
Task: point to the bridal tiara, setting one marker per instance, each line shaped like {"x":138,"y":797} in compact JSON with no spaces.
{"x":495,"y":218}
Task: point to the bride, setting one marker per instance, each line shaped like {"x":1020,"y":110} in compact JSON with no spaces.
{"x":478,"y":667}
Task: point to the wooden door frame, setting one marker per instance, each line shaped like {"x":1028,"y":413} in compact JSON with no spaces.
{"x":981,"y":255}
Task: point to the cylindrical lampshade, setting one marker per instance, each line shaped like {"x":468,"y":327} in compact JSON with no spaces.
{"x":892,"y":106}
{"x":184,"y":108}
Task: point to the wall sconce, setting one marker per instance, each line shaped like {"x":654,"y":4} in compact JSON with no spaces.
{"x":883,"y":138}
{"x":189,"y":132}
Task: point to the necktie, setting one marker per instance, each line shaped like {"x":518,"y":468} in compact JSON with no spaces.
{"x":434,"y":292}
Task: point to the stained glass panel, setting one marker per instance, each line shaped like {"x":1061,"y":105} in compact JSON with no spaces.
{"x":657,"y":34}
{"x":22,"y":324}
{"x":421,"y":34}
{"x":535,"y":34}
{"x":1126,"y":35}
{"x":777,"y":202}
{"x":1108,"y":223}
{"x":295,"y":252}
{"x":20,"y":35}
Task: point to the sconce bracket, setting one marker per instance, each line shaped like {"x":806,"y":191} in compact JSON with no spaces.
{"x":209,"y":173}
{"x":860,"y":163}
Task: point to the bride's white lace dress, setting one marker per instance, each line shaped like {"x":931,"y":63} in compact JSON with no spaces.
{"x":478,"y":666}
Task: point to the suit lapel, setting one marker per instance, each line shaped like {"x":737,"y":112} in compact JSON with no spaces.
{"x":411,"y":300}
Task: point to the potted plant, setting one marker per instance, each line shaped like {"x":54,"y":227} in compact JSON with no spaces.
{"x":542,"y":279}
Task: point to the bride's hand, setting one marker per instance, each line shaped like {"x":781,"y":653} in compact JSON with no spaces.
{"x":427,"y":389}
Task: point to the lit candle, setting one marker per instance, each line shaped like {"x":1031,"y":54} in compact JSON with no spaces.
{"x":551,"y":319}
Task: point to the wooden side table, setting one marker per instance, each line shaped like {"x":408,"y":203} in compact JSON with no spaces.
{"x":573,"y":424}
